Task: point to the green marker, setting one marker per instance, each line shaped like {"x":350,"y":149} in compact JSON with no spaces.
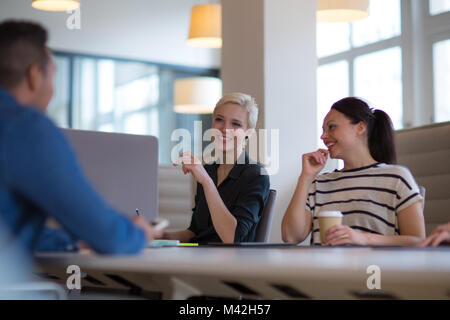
{"x":186,"y":244}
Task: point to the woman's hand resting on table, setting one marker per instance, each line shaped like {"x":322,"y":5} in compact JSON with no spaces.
{"x":342,"y":234}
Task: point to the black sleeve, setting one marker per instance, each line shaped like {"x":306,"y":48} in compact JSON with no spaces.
{"x":193,"y":226}
{"x":250,"y":202}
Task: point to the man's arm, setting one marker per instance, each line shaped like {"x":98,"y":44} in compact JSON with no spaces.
{"x":52,"y":239}
{"x":40,"y":165}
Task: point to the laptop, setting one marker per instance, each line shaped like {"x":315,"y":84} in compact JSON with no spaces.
{"x":122,"y":167}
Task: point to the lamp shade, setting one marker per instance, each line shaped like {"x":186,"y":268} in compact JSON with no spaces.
{"x":55,"y":5}
{"x":206,"y":26}
{"x":197,"y":95}
{"x":342,"y":10}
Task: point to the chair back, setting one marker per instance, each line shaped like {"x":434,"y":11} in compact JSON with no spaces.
{"x":422,"y":191}
{"x":264,"y":225}
{"x":425,"y":152}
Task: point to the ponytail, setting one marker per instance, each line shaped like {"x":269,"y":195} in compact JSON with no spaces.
{"x":381,"y":138}
{"x":380,"y":131}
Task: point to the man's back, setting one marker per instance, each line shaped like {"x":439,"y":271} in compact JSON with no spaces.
{"x":40,"y":178}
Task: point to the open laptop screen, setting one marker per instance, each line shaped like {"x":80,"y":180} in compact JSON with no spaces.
{"x":122,"y":167}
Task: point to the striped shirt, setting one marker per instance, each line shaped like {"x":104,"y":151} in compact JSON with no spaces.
{"x":369,"y":197}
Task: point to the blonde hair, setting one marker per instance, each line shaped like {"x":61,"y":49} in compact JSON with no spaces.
{"x":244,"y":100}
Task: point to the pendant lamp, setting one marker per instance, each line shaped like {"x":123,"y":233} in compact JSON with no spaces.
{"x":205,"y":29}
{"x":55,"y":5}
{"x":197,"y":94}
{"x":342,"y":10}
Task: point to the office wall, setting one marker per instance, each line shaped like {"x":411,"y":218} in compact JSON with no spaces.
{"x":150,"y":30}
{"x":269,"y":52}
{"x":290,"y":77}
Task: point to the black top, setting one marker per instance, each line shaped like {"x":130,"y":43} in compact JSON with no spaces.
{"x":244,"y":192}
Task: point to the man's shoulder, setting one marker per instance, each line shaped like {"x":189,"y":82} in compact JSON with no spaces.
{"x":23,"y":118}
{"x":10,"y":112}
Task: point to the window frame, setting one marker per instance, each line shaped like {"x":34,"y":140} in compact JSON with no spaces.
{"x":167,"y":73}
{"x":178,"y":71}
{"x":419,"y":32}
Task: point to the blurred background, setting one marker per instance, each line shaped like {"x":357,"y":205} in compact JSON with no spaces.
{"x":117,"y":69}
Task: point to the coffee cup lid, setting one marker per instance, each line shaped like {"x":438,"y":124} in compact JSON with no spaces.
{"x":330,"y":214}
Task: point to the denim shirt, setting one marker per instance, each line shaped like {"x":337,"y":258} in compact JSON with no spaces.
{"x":40,"y":178}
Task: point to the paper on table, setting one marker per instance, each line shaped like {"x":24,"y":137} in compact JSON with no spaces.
{"x":163,"y":243}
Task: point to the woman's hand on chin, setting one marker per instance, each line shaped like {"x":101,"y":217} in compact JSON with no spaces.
{"x":191,"y":164}
{"x":314,"y":162}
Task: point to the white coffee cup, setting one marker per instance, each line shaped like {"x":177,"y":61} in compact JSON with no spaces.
{"x":328,"y":219}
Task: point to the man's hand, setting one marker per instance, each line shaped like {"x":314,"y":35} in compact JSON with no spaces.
{"x":440,"y":235}
{"x":150,"y":232}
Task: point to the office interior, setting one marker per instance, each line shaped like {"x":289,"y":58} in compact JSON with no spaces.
{"x":118,"y":62}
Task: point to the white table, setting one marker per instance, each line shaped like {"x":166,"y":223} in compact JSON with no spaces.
{"x":268,"y":273}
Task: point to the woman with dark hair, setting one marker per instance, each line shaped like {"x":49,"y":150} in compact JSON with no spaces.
{"x":379,"y":200}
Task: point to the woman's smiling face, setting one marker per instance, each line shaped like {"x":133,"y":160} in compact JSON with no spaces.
{"x":232,"y":121}
{"x":340,"y":135}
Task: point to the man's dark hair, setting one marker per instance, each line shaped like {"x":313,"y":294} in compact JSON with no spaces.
{"x":22,"y":44}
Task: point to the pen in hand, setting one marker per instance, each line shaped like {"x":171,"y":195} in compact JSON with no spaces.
{"x":158,"y":224}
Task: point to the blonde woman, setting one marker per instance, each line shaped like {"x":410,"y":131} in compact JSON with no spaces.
{"x":231,"y":194}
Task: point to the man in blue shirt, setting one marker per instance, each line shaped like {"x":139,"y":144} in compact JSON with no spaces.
{"x":39,"y":174}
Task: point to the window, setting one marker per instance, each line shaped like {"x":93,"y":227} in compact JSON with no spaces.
{"x":437,"y":46}
{"x":397,"y":59}
{"x":332,"y":38}
{"x":363,"y":59}
{"x":329,"y":90}
{"x":384,"y":22}
{"x":439,"y":6}
{"x":441,"y":71}
{"x":378,"y":80}
{"x":116,"y":95}
{"x":58,"y":108}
